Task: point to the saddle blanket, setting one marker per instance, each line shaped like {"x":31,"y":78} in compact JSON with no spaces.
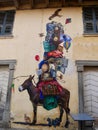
{"x":49,"y":87}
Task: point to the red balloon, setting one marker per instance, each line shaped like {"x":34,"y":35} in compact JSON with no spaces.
{"x":37,"y":58}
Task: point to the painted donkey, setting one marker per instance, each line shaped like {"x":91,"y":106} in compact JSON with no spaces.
{"x":63,"y":100}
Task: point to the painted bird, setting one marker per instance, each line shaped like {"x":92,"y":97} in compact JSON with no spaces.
{"x":27,"y":119}
{"x":56,"y":13}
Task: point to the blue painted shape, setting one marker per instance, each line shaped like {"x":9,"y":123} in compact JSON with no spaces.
{"x":41,"y":95}
{"x":82,"y":117}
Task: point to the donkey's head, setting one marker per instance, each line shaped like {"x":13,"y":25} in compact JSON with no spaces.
{"x":26,"y":84}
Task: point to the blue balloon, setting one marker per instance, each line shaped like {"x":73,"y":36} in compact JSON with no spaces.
{"x":67,"y":44}
{"x":67,"y":38}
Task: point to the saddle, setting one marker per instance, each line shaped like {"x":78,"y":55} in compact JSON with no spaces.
{"x":49,"y":89}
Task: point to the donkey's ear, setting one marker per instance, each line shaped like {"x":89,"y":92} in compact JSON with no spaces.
{"x":31,"y":77}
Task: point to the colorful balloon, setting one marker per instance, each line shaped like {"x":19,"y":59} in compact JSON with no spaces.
{"x":67,"y":38}
{"x":37,"y":58}
{"x":67,"y":41}
{"x":67,"y":45}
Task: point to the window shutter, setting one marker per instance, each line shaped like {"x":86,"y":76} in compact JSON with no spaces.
{"x":6,"y":22}
{"x":2,"y":15}
{"x":8,"y":28}
{"x":96,"y":15}
{"x":1,"y":26}
{"x":9,"y":22}
{"x":88,"y":20}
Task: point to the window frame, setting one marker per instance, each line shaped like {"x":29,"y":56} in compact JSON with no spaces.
{"x":5,"y":24}
{"x":80,"y":65}
{"x":5,"y":122}
{"x":94,"y":22}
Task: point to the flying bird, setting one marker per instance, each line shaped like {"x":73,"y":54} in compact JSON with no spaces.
{"x":56,"y":13}
{"x":41,"y":34}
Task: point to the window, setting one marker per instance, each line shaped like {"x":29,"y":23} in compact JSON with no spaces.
{"x":90,"y":19}
{"x":6,"y":22}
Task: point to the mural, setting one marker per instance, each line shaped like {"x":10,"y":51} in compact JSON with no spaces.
{"x":48,"y":92}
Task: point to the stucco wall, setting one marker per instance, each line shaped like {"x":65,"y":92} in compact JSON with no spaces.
{"x":26,"y":43}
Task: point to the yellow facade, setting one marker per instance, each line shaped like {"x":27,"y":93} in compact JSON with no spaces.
{"x":26,"y":43}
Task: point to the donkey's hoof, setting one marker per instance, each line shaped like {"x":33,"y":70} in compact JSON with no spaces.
{"x":67,"y":124}
{"x":49,"y":122}
{"x":33,"y":123}
{"x":57,"y":121}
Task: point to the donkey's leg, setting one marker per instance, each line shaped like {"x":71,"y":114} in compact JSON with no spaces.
{"x":65,"y":107}
{"x":67,"y":119}
{"x":68,"y":98}
{"x":35,"y":113}
{"x":61,"y":113}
